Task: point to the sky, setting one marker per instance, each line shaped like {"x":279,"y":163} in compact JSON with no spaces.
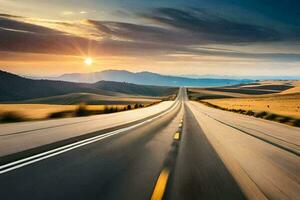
{"x":179,"y":37}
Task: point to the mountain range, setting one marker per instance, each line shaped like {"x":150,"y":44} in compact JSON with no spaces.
{"x":145,"y":78}
{"x":17,"y":88}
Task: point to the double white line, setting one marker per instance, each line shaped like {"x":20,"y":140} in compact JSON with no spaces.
{"x":54,"y":152}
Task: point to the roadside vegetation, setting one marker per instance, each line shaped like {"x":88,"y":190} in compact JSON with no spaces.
{"x":85,"y":110}
{"x":277,"y":101}
{"x":77,"y":105}
{"x":67,"y":111}
{"x":259,"y":114}
{"x":12,"y":116}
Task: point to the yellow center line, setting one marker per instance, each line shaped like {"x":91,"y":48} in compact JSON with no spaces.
{"x":161,"y":184}
{"x":176,"y":136}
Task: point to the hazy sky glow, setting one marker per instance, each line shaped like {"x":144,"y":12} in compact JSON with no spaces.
{"x":224,"y":37}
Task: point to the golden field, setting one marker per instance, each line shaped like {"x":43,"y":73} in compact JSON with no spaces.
{"x":286,"y":105}
{"x":280,"y":98}
{"x":42,"y":111}
{"x":35,"y":111}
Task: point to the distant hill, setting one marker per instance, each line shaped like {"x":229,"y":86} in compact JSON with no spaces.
{"x":67,"y":99}
{"x":17,"y":88}
{"x":133,"y":89}
{"x":90,"y":99}
{"x":146,"y":78}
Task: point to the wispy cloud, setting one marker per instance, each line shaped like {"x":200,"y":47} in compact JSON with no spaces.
{"x":174,"y":31}
{"x":67,"y":13}
{"x":209,"y":27}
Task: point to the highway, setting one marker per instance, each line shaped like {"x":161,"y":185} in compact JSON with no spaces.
{"x":254,"y":150}
{"x":173,"y":150}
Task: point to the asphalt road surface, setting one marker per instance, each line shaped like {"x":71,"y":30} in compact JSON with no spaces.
{"x":255,"y":150}
{"x":174,"y":150}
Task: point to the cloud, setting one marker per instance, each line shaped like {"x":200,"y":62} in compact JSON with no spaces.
{"x":10,"y":16}
{"x":211,"y":28}
{"x":25,"y":37}
{"x":195,"y":27}
{"x":119,"y":38}
{"x":135,"y":32}
{"x":12,"y":24}
{"x":20,"y":36}
{"x":71,"y":13}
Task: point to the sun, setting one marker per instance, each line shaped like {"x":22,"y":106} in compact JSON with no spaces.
{"x":88,"y":61}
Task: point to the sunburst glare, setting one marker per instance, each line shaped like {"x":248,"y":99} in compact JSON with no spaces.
{"x":88,"y":61}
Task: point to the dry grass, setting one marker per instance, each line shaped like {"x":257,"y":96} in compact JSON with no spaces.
{"x":260,"y":114}
{"x":90,"y":99}
{"x":207,"y":93}
{"x":286,"y":105}
{"x":273,"y":100}
{"x":295,"y":89}
{"x":35,"y":111}
{"x":25,"y":112}
{"x":261,"y":88}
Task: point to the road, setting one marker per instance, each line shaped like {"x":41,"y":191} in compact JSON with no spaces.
{"x":254,"y":150}
{"x":174,"y":150}
{"x":27,"y":135}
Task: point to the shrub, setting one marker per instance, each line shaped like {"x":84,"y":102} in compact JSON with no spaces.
{"x":296,"y":122}
{"x":250,"y":113}
{"x":271,"y":116}
{"x":106,"y":109}
{"x":59,"y":114}
{"x":81,"y":110}
{"x":11,"y":116}
{"x":261,"y":114}
{"x":242,"y":111}
{"x":129,"y":107}
{"x":284,"y":119}
{"x":110,"y":109}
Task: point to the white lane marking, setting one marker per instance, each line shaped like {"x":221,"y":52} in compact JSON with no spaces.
{"x":41,"y":156}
